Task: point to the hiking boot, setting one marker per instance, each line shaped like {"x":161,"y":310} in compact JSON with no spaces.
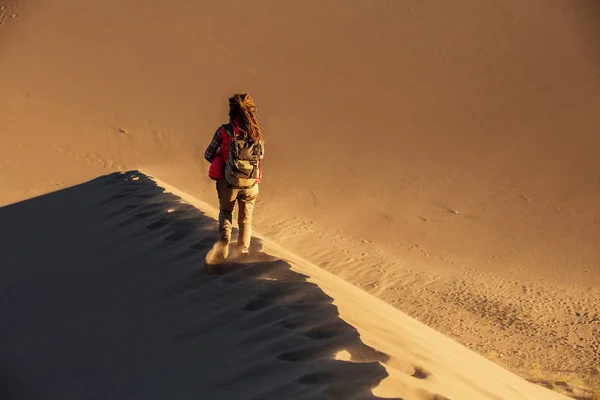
{"x":223,"y":248}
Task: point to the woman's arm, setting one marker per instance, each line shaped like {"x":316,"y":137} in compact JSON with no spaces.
{"x":214,"y":145}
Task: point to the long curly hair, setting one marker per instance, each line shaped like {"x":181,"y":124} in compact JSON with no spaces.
{"x":242,"y":112}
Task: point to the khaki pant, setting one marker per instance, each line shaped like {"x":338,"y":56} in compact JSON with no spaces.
{"x":246,"y":199}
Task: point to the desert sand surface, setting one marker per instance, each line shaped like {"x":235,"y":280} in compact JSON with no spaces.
{"x":442,"y":157}
{"x":113,"y":303}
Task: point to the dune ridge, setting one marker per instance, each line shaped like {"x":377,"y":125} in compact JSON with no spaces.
{"x":115,"y":302}
{"x":104,"y":295}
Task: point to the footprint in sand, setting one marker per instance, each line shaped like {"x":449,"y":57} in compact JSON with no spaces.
{"x":327,"y":331}
{"x":161,"y":223}
{"x":420,"y":373}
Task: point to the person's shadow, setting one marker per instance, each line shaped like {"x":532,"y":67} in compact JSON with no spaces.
{"x":104,"y":295}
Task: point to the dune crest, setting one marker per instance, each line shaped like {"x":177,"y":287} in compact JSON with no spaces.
{"x":105,"y":294}
{"x":114,"y":302}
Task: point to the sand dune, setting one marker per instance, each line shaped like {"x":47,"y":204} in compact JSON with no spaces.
{"x":105,"y":295}
{"x":442,"y":157}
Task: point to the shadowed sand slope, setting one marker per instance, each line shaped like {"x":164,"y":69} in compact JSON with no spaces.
{"x":103,"y":294}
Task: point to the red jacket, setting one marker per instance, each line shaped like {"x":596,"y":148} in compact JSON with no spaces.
{"x":217,"y":166}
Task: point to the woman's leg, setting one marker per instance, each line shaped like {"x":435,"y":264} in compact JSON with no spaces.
{"x":246,"y":200}
{"x":227,"y":197}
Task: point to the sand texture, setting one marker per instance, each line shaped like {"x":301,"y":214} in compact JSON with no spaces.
{"x":443,"y":157}
{"x":105,"y":296}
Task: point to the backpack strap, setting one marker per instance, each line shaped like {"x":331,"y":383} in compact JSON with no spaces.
{"x":235,"y":134}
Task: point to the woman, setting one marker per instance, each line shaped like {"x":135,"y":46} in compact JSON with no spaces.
{"x":235,"y":153}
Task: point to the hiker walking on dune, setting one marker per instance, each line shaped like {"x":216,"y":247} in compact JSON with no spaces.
{"x":235,"y":153}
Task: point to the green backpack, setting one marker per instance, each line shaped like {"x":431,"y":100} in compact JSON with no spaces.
{"x":241,"y":169}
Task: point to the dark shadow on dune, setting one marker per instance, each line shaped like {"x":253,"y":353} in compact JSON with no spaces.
{"x":103,"y":294}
